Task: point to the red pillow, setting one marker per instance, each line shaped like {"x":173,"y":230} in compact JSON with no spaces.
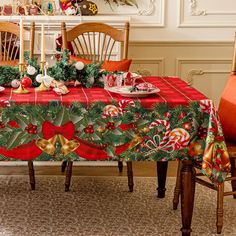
{"x":227,"y":109}
{"x":117,"y":65}
{"x":85,"y":61}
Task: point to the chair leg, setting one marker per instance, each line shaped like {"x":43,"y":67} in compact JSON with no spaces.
{"x":177,"y":190}
{"x":120,"y":165}
{"x":68,"y":175}
{"x":219,"y":210}
{"x":63,"y":166}
{"x":130,"y":176}
{"x":31,"y":174}
{"x":233,"y":173}
{"x":161,"y":178}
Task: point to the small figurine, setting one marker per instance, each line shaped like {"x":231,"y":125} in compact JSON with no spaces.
{"x":78,"y":7}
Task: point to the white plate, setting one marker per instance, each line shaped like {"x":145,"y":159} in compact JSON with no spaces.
{"x":1,"y":89}
{"x":125,"y":91}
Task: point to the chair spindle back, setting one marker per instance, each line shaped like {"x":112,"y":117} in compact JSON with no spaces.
{"x":95,"y":41}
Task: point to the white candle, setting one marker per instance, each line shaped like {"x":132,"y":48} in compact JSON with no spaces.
{"x":21,"y":42}
{"x":42,"y":44}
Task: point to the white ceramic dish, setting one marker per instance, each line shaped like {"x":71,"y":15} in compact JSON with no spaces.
{"x":125,"y":91}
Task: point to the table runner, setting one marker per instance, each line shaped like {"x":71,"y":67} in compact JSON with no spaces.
{"x":177,"y":123}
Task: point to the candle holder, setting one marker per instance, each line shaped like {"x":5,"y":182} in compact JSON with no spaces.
{"x":42,"y":87}
{"x":21,"y":89}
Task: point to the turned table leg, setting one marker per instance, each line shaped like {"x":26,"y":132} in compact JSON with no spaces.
{"x":187,"y":196}
{"x":68,"y":175}
{"x":161,"y":178}
{"x":120,"y":165}
{"x":233,"y":173}
{"x":31,"y":174}
{"x":130,"y":175}
{"x":177,"y":190}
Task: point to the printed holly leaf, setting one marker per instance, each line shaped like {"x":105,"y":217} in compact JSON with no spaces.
{"x":61,"y":117}
{"x":75,"y":119}
{"x":110,"y":150}
{"x":116,"y":132}
{"x":21,"y":121}
{"x":95,"y":136}
{"x":14,"y":139}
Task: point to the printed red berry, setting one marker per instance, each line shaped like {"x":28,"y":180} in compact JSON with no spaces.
{"x":90,"y":126}
{"x":30,"y":131}
{"x":35,"y":131}
{"x":91,"y":131}
{"x":34,"y":127}
{"x":30,"y":126}
{"x":86,"y":130}
{"x":111,"y":127}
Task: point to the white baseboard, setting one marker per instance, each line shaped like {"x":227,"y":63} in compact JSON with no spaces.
{"x":58,"y":163}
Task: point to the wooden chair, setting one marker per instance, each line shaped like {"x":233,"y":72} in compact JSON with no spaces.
{"x":96,"y":42}
{"x":9,"y":47}
{"x":9,"y":55}
{"x":9,"y":43}
{"x":230,"y":101}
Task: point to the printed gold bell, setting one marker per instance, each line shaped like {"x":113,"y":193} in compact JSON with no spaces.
{"x":47,"y":146}
{"x":67,"y":146}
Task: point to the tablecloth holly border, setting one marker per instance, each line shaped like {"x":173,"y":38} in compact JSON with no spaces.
{"x":122,"y":128}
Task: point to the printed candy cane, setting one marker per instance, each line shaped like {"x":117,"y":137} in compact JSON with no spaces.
{"x":125,"y":103}
{"x":173,"y":140}
{"x":166,"y":124}
{"x":207,"y":106}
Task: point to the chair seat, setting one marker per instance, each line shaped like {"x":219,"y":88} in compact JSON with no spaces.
{"x":9,"y":63}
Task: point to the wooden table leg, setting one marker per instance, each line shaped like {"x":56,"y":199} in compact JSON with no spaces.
{"x":233,"y":173}
{"x":177,"y":190}
{"x":130,"y":175}
{"x":187,"y":196}
{"x":161,"y":178}
{"x":120,"y":165}
{"x":31,"y":174}
{"x":68,"y":175}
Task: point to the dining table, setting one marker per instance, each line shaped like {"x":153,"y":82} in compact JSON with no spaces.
{"x":177,"y":123}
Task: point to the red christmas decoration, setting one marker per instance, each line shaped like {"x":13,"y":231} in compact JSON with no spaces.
{"x":186,"y":125}
{"x":26,"y":82}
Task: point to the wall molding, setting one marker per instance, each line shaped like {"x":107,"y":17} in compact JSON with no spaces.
{"x":195,"y":13}
{"x":199,"y":61}
{"x":181,"y":43}
{"x":160,"y":62}
{"x":194,"y":72}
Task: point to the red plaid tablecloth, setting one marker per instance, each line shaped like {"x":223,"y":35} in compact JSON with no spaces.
{"x":173,"y":91}
{"x":95,"y":136}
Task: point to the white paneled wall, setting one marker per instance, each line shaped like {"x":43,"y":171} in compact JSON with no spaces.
{"x":189,"y":38}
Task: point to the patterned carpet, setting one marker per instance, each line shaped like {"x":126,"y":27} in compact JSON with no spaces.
{"x":102,"y":206}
